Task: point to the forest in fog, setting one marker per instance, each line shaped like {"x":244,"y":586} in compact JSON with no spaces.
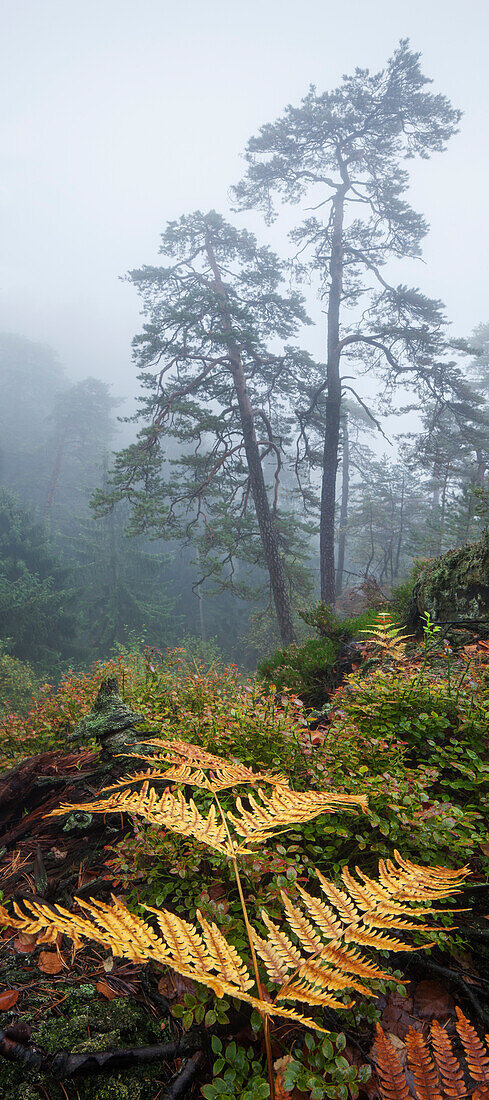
{"x":253,"y":480}
{"x":244,"y":552}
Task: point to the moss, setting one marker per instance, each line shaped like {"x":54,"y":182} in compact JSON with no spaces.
{"x":88,"y":1022}
{"x":455,"y":587}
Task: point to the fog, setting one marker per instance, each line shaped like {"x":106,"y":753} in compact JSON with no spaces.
{"x":118,"y":116}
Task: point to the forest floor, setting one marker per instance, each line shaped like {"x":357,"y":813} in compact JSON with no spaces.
{"x":408,"y":728}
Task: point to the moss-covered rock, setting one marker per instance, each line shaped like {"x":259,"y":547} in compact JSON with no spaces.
{"x":455,"y":588}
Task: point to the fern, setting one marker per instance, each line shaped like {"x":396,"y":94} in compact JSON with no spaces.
{"x":437,"y":1073}
{"x":319,"y":955}
{"x":324,"y":957}
{"x":388,"y":637}
{"x":267,"y":815}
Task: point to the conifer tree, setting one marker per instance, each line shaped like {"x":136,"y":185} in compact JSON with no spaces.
{"x":344,"y":151}
{"x":218,"y":380}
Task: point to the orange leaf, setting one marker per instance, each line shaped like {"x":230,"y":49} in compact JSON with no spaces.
{"x":8,"y":999}
{"x":106,"y":990}
{"x":50,"y":962}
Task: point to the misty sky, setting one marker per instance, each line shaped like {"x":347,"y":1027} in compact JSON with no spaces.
{"x":121,"y":114}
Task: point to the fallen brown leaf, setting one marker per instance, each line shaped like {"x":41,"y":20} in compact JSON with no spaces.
{"x":432,"y":999}
{"x":8,"y":999}
{"x":50,"y":962}
{"x":106,"y":990}
{"x":25,"y":943}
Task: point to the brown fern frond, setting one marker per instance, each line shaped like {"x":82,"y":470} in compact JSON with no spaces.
{"x":284,"y":808}
{"x":170,"y":810}
{"x":475,"y":1051}
{"x":391,"y":1074}
{"x":422,"y":1067}
{"x":448,"y":1067}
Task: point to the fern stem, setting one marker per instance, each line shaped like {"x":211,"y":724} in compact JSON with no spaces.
{"x":249,"y":933}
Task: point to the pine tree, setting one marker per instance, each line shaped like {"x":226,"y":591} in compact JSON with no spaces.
{"x":37,"y":621}
{"x":214,"y":384}
{"x":344,"y":150}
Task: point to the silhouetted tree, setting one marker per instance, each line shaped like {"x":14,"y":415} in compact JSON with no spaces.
{"x":218,"y":380}
{"x":345,"y":151}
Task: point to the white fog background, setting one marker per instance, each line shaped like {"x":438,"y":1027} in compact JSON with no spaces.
{"x":118,"y":115}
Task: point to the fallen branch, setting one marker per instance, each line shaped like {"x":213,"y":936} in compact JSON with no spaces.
{"x":64,"y":1065}
{"x":178,"y":1084}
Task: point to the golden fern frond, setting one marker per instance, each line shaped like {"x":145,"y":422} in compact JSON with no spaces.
{"x":388,"y":636}
{"x":311,"y":993}
{"x":393,"y":1084}
{"x":321,"y":979}
{"x":307,"y":933}
{"x":170,"y":810}
{"x":325,"y":933}
{"x":285,"y":807}
{"x":475,"y":1051}
{"x":225,"y":773}
{"x":413,"y":882}
{"x":276,"y":969}
{"x":279,"y":947}
{"x":448,"y":1066}
{"x":323,"y":915}
{"x":224,"y":956}
{"x":202,"y":955}
{"x":422,"y":1067}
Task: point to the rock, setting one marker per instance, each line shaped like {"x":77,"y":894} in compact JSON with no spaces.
{"x":455,"y":589}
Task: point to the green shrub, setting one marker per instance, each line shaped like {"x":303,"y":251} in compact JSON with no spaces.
{"x":18,"y":682}
{"x":308,"y":670}
{"x":305,"y":670}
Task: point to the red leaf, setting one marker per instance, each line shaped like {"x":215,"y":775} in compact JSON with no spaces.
{"x":8,"y":999}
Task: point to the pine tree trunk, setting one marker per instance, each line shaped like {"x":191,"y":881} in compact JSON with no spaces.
{"x":278,"y":581}
{"x":333,"y":408}
{"x":345,"y":491}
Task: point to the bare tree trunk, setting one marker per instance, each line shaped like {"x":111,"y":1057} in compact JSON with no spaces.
{"x":345,"y":490}
{"x":278,"y":580}
{"x":333,"y":407}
